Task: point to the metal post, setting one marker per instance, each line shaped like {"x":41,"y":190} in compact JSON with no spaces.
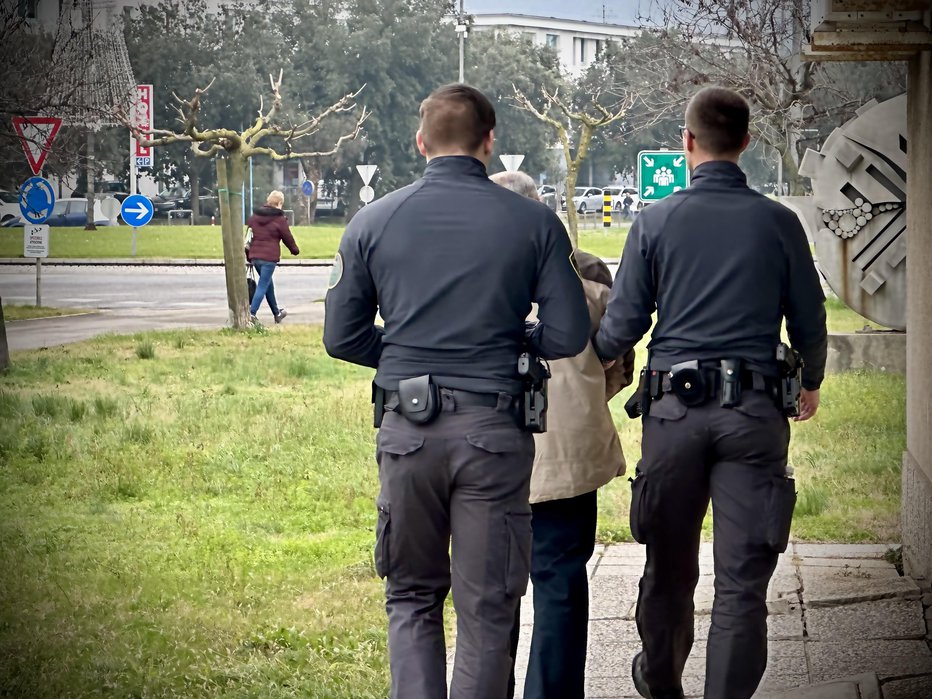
{"x":38,"y":281}
{"x":132,"y":185}
{"x":132,"y":165}
{"x":251,"y":207}
{"x":460,"y":20}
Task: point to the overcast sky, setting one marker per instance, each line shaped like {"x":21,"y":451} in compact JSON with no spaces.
{"x":616,"y":11}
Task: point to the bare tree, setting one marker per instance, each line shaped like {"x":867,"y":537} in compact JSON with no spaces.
{"x":231,"y":151}
{"x":754,"y":47}
{"x":574,"y":124}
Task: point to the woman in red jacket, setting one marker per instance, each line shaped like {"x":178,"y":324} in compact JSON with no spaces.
{"x":269,"y":230}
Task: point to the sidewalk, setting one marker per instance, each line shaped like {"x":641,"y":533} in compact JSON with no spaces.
{"x":39,"y":333}
{"x":841,"y":618}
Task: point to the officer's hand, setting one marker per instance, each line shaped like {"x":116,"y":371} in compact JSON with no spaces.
{"x":808,"y":404}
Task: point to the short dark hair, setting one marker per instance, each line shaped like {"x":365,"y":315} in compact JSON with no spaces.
{"x":456,"y":116}
{"x":718,"y":119}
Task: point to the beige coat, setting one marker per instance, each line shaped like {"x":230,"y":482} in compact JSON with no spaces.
{"x":580,"y":450}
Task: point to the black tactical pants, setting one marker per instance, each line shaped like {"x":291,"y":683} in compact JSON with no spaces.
{"x":737,"y":458}
{"x":465,"y":476}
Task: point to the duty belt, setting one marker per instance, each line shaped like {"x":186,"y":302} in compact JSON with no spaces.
{"x":460,"y":398}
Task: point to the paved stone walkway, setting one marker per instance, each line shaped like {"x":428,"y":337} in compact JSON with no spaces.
{"x":839,"y":614}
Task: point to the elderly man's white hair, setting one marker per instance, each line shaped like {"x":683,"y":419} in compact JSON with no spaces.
{"x":519,"y":182}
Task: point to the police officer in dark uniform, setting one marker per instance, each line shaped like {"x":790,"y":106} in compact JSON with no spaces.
{"x":452,"y":263}
{"x":723,"y":266}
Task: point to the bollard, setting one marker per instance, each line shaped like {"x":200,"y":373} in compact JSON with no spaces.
{"x":212,"y":220}
{"x":606,"y":210}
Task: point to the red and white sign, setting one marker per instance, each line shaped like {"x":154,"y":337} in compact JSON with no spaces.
{"x":36,"y":134}
{"x":142,"y":119}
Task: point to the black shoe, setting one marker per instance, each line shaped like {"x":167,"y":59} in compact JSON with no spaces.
{"x":640,"y":684}
{"x":637,"y":676}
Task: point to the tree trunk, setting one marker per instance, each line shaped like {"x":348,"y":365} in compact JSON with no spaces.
{"x":4,"y":347}
{"x":791,"y":173}
{"x":312,"y":173}
{"x":572,"y":218}
{"x":90,"y":225}
{"x":230,"y":173}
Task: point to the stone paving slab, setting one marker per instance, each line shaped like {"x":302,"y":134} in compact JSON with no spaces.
{"x":878,"y":620}
{"x":612,"y":598}
{"x":842,"y":638}
{"x":853,"y":563}
{"x":842,"y":550}
{"x":911,"y":688}
{"x":826,"y":585}
{"x":830,"y":660}
{"x":860,"y":687}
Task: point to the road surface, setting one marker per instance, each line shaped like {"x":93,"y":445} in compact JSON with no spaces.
{"x":132,"y":299}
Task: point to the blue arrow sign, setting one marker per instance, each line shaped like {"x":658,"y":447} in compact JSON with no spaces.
{"x":307,"y":188}
{"x":136,"y":210}
{"x":36,"y":200}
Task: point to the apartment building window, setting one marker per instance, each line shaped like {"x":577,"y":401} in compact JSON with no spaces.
{"x":553,"y":41}
{"x":530,"y":36}
{"x":579,"y":50}
{"x":599,"y":48}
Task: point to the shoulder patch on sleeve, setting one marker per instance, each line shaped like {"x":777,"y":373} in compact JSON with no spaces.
{"x":575,"y":265}
{"x":336,"y":272}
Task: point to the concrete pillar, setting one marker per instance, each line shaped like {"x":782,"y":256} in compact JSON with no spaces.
{"x":917,"y":461}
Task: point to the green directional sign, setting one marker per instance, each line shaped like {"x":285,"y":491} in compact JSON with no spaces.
{"x":661,"y":173}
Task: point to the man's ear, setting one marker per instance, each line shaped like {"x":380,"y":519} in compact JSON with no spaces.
{"x":488,"y":144}
{"x":419,"y":138}
{"x":746,"y":142}
{"x":689,"y":141}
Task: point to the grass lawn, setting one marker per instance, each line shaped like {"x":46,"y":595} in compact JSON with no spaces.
{"x":17,"y":312}
{"x":189,"y":242}
{"x":192,"y":513}
{"x":196,"y":242}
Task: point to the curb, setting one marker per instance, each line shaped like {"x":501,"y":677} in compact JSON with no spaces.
{"x":144,"y":262}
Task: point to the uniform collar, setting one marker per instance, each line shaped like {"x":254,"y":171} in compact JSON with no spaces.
{"x":718,"y":173}
{"x":455,"y":165}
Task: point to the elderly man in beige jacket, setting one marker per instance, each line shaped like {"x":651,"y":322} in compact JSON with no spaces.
{"x":579,"y":453}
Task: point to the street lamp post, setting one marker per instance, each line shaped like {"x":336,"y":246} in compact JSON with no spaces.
{"x":461,"y":32}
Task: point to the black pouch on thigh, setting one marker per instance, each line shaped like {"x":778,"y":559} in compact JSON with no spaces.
{"x":639,"y":512}
{"x":518,"y":553}
{"x":778,"y":516}
{"x":382,"y":531}
{"x":418,"y":399}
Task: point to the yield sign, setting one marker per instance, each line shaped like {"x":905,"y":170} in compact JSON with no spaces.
{"x":366,"y":172}
{"x":511,"y":161}
{"x":36,"y":134}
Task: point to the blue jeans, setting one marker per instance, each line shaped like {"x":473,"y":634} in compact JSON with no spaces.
{"x":264,"y":287}
{"x":564,"y":538}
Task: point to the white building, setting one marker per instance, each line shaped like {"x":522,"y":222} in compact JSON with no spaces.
{"x":578,"y":43}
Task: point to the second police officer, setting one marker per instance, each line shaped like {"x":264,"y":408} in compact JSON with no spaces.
{"x":452,"y":263}
{"x":723,"y":266}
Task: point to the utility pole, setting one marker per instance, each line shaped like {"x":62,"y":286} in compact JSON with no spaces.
{"x":461,"y":30}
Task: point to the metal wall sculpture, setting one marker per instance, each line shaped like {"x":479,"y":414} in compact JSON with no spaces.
{"x":858,"y":213}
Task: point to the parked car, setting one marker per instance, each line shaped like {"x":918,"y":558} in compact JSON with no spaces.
{"x":547,"y":194}
{"x":9,"y":207}
{"x":106,"y":188}
{"x":585,"y":199}
{"x":180,"y":198}
{"x":73,"y":212}
{"x":618,"y":197}
{"x":329,"y":198}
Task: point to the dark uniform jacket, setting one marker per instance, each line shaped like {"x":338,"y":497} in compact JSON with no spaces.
{"x":722,"y":265}
{"x":269,"y":230}
{"x":452,"y":263}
